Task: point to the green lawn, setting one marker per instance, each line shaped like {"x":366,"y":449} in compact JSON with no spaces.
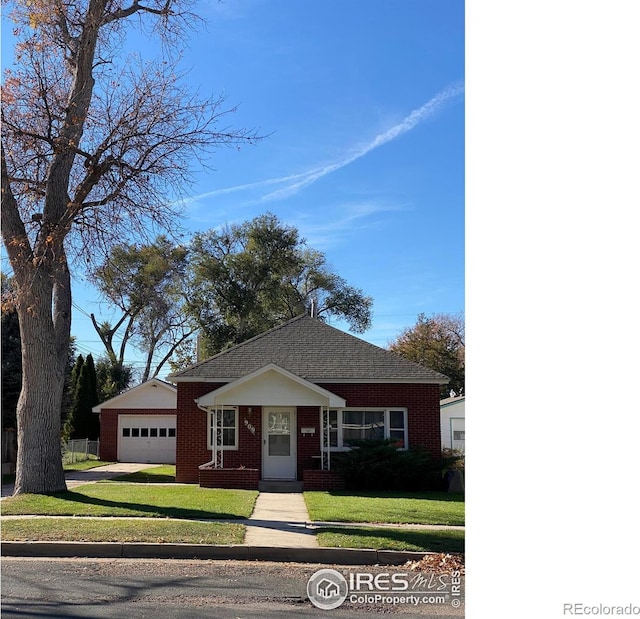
{"x":391,"y":507}
{"x":124,"y":499}
{"x":392,"y":539}
{"x":163,"y":474}
{"x":115,"y":530}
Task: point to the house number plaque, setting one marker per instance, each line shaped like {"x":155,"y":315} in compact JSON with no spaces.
{"x":249,"y":427}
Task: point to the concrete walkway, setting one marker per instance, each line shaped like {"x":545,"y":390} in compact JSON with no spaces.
{"x":280,"y":520}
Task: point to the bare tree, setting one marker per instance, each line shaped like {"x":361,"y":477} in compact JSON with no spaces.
{"x":94,"y":144}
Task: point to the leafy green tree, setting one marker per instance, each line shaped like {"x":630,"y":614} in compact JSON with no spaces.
{"x":250,"y":277}
{"x":437,"y":342}
{"x":94,"y":142}
{"x":147,"y":285}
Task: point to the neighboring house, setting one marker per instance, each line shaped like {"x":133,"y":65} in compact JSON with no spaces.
{"x":139,"y":425}
{"x":278,"y":405}
{"x":452,"y":422}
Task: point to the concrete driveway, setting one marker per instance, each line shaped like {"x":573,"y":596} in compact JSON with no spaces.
{"x":77,"y":478}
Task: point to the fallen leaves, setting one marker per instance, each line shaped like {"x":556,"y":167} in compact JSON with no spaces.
{"x":439,"y":562}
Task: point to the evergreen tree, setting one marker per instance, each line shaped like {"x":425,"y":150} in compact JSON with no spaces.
{"x":81,"y":421}
{"x":11,"y":366}
{"x":113,"y":378}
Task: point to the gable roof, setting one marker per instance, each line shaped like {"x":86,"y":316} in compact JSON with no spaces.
{"x":314,"y":351}
{"x":272,"y":386}
{"x":154,"y":393}
{"x":452,"y":400}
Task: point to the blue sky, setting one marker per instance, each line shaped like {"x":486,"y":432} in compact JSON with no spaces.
{"x":364,"y":106}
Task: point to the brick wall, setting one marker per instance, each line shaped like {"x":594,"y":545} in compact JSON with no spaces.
{"x":191,"y":431}
{"x":191,"y":449}
{"x":308,"y":446}
{"x":421,"y":401}
{"x":245,"y":479}
{"x":109,"y":428}
{"x":322,"y":480}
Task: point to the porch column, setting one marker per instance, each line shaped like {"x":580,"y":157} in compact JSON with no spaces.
{"x":325,"y":439}
{"x":217,"y":439}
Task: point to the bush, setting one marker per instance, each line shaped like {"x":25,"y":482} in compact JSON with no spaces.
{"x":457,"y":457}
{"x":378,"y":465}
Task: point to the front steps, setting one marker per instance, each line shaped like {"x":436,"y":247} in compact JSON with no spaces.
{"x":276,"y":485}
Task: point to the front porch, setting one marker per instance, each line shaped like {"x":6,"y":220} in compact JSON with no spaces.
{"x":268,"y":429}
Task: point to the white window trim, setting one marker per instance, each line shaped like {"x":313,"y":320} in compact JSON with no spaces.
{"x":387,"y":417}
{"x":236,"y":422}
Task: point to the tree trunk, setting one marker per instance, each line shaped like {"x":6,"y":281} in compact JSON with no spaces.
{"x":39,"y":464}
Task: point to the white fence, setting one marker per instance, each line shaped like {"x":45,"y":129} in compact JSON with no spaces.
{"x":80,"y":449}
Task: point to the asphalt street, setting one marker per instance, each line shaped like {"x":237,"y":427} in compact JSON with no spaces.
{"x":167,"y":589}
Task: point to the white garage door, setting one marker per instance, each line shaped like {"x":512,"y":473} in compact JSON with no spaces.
{"x":147,"y":438}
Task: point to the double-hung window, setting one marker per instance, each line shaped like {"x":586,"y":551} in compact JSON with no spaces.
{"x":225,"y":422}
{"x":347,"y":425}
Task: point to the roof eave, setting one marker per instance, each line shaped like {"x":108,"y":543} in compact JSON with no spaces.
{"x":361,"y":381}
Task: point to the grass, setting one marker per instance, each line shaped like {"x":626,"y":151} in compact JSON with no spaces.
{"x":166,"y":473}
{"x":124,"y":499}
{"x":391,"y":507}
{"x":88,"y":530}
{"x":392,"y":539}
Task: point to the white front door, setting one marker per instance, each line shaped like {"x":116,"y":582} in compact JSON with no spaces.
{"x":278,"y":442}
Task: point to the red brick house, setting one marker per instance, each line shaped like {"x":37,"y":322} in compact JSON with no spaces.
{"x":277,"y":406}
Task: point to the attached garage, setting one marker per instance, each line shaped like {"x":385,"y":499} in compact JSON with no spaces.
{"x":140,"y":424}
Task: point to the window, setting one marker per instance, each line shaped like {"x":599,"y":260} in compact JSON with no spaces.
{"x":126,"y":431}
{"x":163,"y":432}
{"x":172,"y":432}
{"x":228,"y":426}
{"x":144,"y":432}
{"x":153,"y":432}
{"x":348,"y":425}
{"x":362,"y":425}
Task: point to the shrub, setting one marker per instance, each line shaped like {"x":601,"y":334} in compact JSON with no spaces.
{"x":378,"y":465}
{"x":456,"y":455}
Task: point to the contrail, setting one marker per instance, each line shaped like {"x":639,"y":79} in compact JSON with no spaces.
{"x":303,"y":179}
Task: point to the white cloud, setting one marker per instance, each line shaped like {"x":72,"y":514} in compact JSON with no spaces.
{"x":343,"y":220}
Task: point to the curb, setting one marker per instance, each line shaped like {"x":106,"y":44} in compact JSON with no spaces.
{"x":132,"y":550}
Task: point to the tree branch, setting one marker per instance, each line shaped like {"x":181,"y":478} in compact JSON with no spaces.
{"x":14,"y":232}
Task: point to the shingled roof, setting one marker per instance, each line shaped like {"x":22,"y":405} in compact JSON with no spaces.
{"x":313,"y":350}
